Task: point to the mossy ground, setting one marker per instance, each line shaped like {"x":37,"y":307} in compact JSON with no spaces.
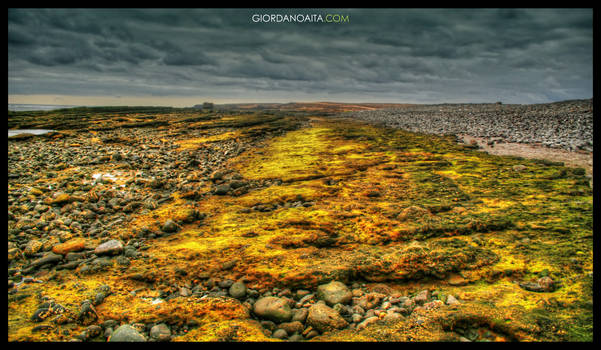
{"x":385,"y":206}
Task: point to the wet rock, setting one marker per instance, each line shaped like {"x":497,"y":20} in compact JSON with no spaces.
{"x":73,"y":245}
{"x":160,"y":332}
{"x":292,"y":327}
{"x":126,"y":333}
{"x":169,"y":226}
{"x":324,"y":318}
{"x":369,"y":300}
{"x":87,"y":313}
{"x":217,"y":175}
{"x":93,"y":331}
{"x":112,"y":247}
{"x":99,"y":298}
{"x":296,"y":338}
{"x":273,"y":308}
{"x":543,"y":284}
{"x":237,"y":290}
{"x":32,"y":247}
{"x":270,"y":325}
{"x":185,"y":292}
{"x":300,"y":314}
{"x":280,"y":334}
{"x":422,"y":297}
{"x":334,"y":293}
{"x":451,"y":300}
{"x":237,"y":184}
{"x":392,"y":317}
{"x":456,"y":280}
{"x":546,"y":283}
{"x":48,"y":258}
{"x":367,"y":322}
{"x":222,"y":189}
{"x":41,"y":314}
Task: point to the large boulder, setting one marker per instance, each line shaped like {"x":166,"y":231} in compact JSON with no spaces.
{"x":272,"y":308}
{"x":324,"y":318}
{"x":334,"y":293}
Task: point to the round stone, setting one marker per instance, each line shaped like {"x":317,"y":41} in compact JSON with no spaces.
{"x":169,"y":226}
{"x":334,"y":293}
{"x":126,"y":333}
{"x":273,"y":308}
{"x":237,"y":290}
{"x":280,"y":334}
{"x":160,"y":332}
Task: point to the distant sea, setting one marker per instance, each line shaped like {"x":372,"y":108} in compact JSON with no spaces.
{"x":32,"y":107}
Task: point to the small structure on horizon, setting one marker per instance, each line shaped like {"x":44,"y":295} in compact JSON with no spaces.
{"x":205,"y":105}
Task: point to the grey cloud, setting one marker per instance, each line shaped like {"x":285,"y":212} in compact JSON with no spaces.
{"x":394,"y":54}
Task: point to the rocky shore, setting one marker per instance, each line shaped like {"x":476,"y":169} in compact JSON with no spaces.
{"x":566,"y":125}
{"x":260,"y":227}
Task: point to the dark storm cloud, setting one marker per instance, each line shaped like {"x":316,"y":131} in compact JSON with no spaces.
{"x":430,"y":55}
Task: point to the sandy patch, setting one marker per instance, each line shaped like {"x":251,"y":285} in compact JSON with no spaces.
{"x":579,"y":159}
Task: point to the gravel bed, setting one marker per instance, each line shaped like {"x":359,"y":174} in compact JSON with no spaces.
{"x":566,"y":125}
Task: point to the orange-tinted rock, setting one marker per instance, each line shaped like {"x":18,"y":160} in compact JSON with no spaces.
{"x":73,"y":245}
{"x":457,"y":280}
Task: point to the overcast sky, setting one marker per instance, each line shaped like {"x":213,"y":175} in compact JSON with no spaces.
{"x":181,"y":57}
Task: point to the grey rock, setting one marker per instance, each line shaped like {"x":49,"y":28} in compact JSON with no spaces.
{"x":273,"y":308}
{"x":237,"y":290}
{"x":422,"y":297}
{"x":112,"y":247}
{"x":48,"y":258}
{"x":334,"y":293}
{"x":160,"y":332}
{"x":169,"y":226}
{"x":222,"y":189}
{"x":126,"y":333}
{"x":280,"y":334}
{"x":300,"y":314}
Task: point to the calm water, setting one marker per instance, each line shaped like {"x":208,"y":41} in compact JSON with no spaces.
{"x":31,"y":107}
{"x":28,"y":131}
